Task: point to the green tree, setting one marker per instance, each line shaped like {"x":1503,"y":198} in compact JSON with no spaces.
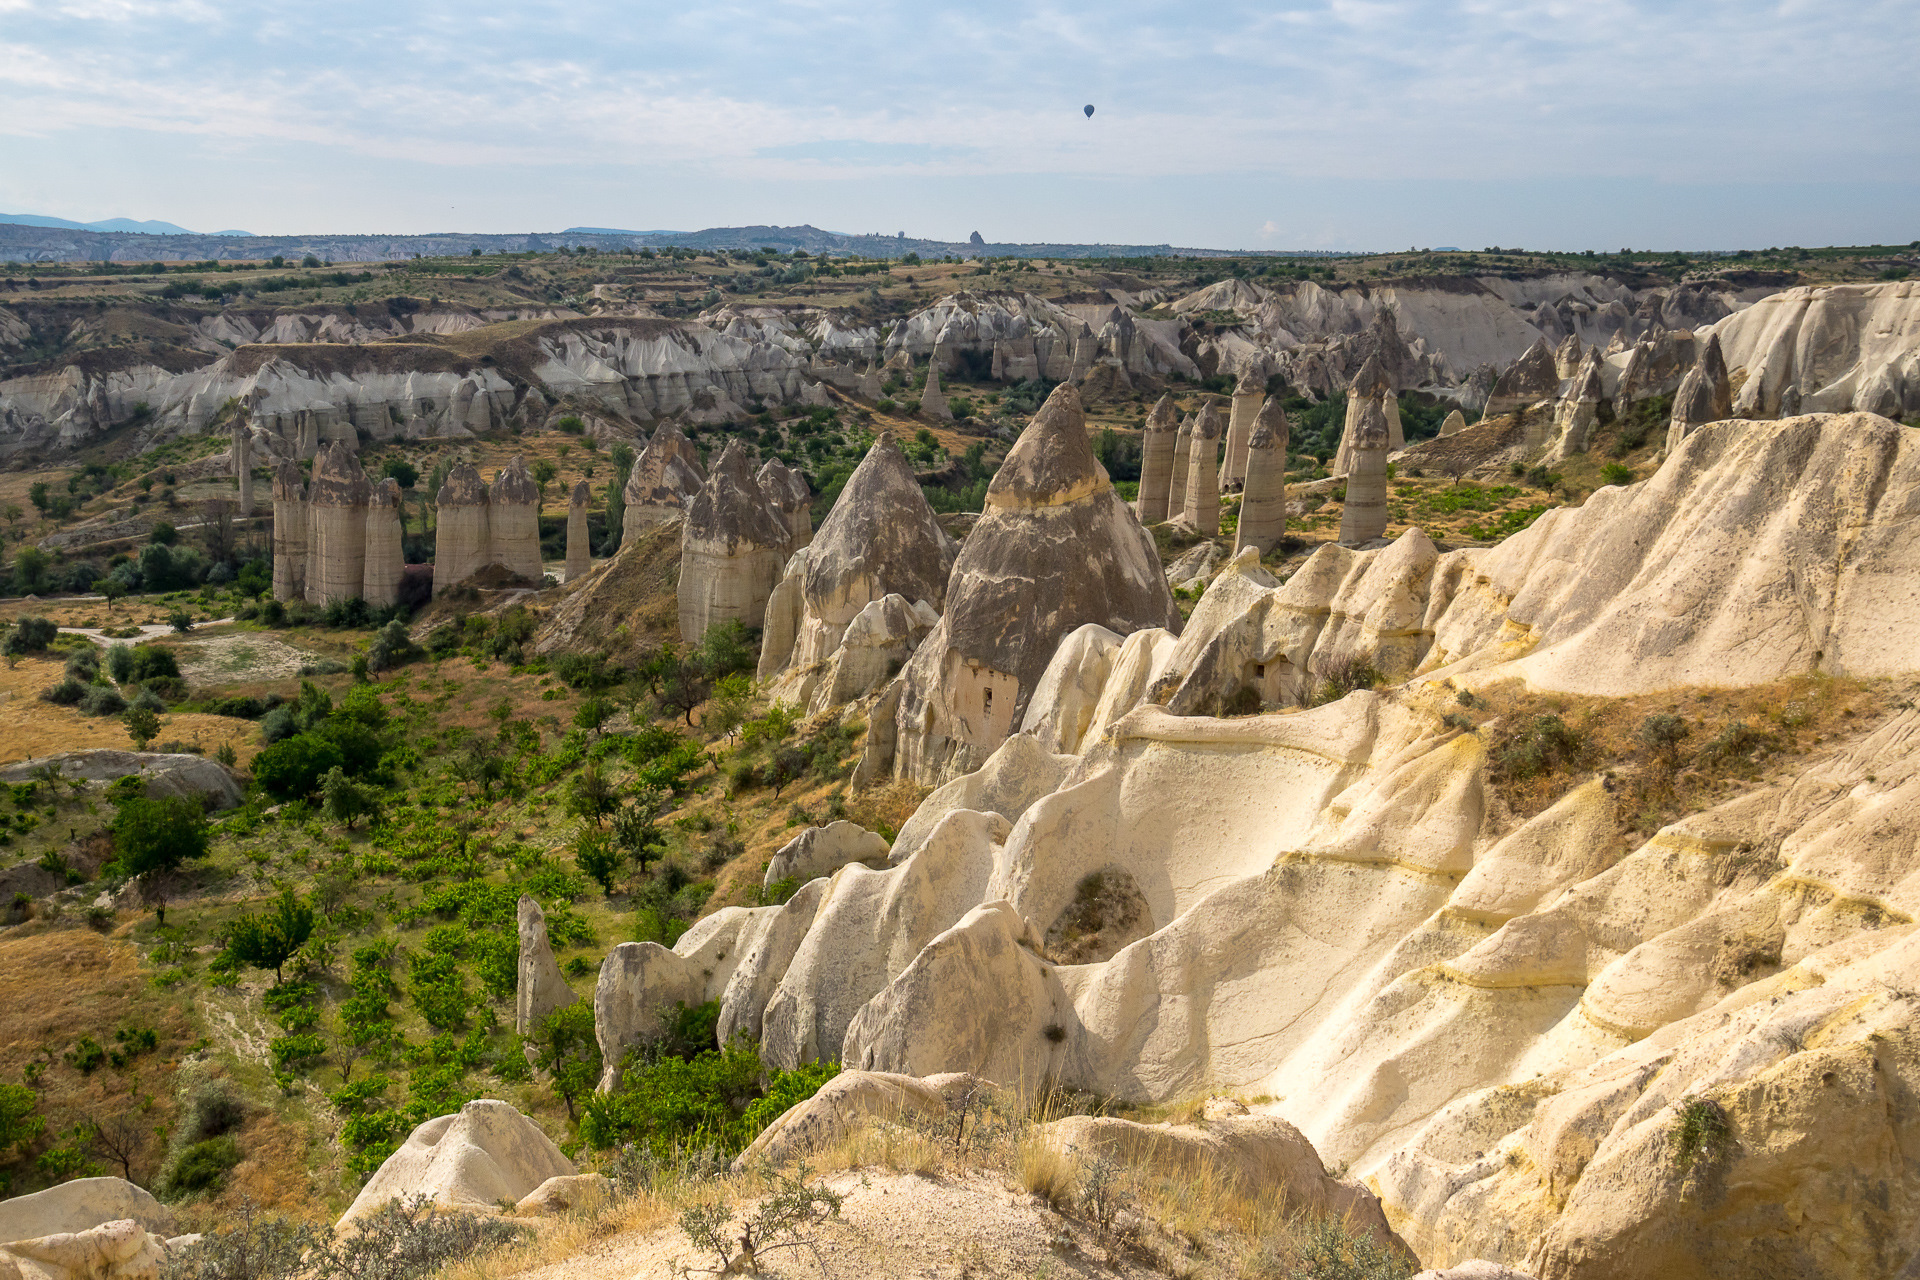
{"x":592,"y":715}
{"x":544,"y":471}
{"x":156,"y":835}
{"x":269,"y":941}
{"x":294,"y":766}
{"x":592,"y":795}
{"x":112,"y":588}
{"x":565,"y":1049}
{"x":727,"y":708}
{"x":142,"y":724}
{"x":346,"y":799}
{"x":598,"y":859}
{"x":20,"y":1122}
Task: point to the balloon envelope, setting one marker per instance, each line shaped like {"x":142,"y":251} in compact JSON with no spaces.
{"x":1089,"y":110}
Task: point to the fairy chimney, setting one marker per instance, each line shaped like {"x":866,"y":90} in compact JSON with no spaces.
{"x":1182,"y":462}
{"x":336,"y":526}
{"x":732,"y":549}
{"x":579,"y":544}
{"x":462,"y":543}
{"x":1364,"y":515}
{"x":1693,"y":405}
{"x":289,"y":532}
{"x":664,"y":479}
{"x":791,"y":500}
{"x":1263,"y":506}
{"x":1248,"y":394}
{"x":513,"y":522}
{"x":1202,"y":506}
{"x":932,"y":403}
{"x":386,"y":559}
{"x":1156,"y":461}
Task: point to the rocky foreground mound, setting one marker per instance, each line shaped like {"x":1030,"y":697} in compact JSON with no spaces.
{"x":1543,"y":1041}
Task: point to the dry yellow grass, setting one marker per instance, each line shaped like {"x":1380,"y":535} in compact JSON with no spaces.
{"x":30,"y":728}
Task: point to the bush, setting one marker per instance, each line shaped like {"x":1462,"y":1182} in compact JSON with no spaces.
{"x":293,"y":768}
{"x":120,"y":663}
{"x":101,"y":700}
{"x":30,"y":635}
{"x":201,"y":1167}
{"x":151,"y":662}
{"x":65,"y":694}
{"x":391,"y":647}
{"x":1545,"y":745}
{"x":158,"y":834}
{"x":667,"y":1104}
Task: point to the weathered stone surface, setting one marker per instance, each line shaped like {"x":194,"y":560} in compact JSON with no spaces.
{"x":1455,"y":422}
{"x":80,"y":1205}
{"x":1056,"y":548}
{"x":1156,"y":461}
{"x":1263,"y":508}
{"x":1364,"y":515}
{"x":386,"y":557}
{"x":337,"y":526}
{"x":289,"y":532}
{"x":513,"y":521}
{"x":664,"y":479}
{"x":1201,"y":507}
{"x":579,"y":542}
{"x":845,"y":1103}
{"x":120,"y":1250}
{"x":463,"y":540}
{"x":1840,"y":347}
{"x":1577,"y":411}
{"x":1248,"y":394}
{"x":565,"y":1193}
{"x":821,"y":851}
{"x":788,"y":495}
{"x":1182,"y":463}
{"x":1527,"y":381}
{"x":1371,"y":384}
{"x":166,"y":773}
{"x":731,"y":549}
{"x":880,"y":539}
{"x":932,"y":402}
{"x":542,"y":989}
{"x":1693,"y":405}
{"x":485,"y":1154}
{"x":1713,"y":368}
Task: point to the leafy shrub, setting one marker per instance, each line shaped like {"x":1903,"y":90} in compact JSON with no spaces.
{"x":65,"y":694}
{"x":201,"y":1167}
{"x":667,"y":1104}
{"x":102,"y":701}
{"x":1544,"y":745}
{"x":150,"y":835}
{"x":294,"y":767}
{"x":120,"y":663}
{"x":151,"y":662}
{"x":1346,"y":676}
{"x":30,"y":635}
{"x":1702,"y":1130}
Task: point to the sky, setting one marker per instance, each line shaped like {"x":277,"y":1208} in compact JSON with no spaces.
{"x":1293,"y":124}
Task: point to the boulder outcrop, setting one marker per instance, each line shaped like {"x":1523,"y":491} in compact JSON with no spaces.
{"x":821,"y":851}
{"x":80,"y":1205}
{"x":541,"y":988}
{"x":732,"y":547}
{"x":484,"y":1155}
{"x":1055,"y":548}
{"x":120,"y":1250}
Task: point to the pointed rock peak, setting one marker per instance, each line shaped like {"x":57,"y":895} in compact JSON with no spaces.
{"x":1713,"y":361}
{"x":1587,"y":385}
{"x":582,"y":494}
{"x":1164,"y":416}
{"x":1369,"y":378}
{"x":513,"y":483}
{"x":1371,"y":431}
{"x":1052,"y":462}
{"x":732,"y":505}
{"x":337,"y":478}
{"x":734,"y":463}
{"x":1250,"y":383}
{"x":463,"y":488}
{"x":1270,"y":427}
{"x":1694,"y":401}
{"x":1209,"y":426}
{"x":1570,"y":347}
{"x":288,"y":482}
{"x":1186,"y":425}
{"x":772,"y":471}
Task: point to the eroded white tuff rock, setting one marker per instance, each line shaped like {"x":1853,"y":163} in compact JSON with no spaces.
{"x":1363,"y":516}
{"x":1200,"y":508}
{"x":731,"y":549}
{"x":485,"y":1154}
{"x":1054,"y":549}
{"x":787,"y":493}
{"x":337,"y":501}
{"x":1454,"y":423}
{"x":821,"y":851}
{"x":386,"y":558}
{"x":542,"y":989}
{"x":1156,"y":461}
{"x":1840,"y":347}
{"x":579,"y":542}
{"x":664,"y":479}
{"x":513,"y":521}
{"x":847,"y":1102}
{"x":463,"y":538}
{"x":121,"y":1250}
{"x":1263,"y":508}
{"x":289,"y":532}
{"x":1527,"y":381}
{"x":932,"y":402}
{"x":81,"y":1204}
{"x":1249,"y":392}
{"x":880,"y":541}
{"x":1693,"y":405}
{"x":1578,"y":410}
{"x":1371,"y":385}
{"x":1567,"y":356}
{"x":1182,"y":465}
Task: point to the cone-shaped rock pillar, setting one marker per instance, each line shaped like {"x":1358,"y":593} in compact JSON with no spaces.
{"x":932,"y":402}
{"x":514,"y":521}
{"x":1202,"y":506}
{"x":1693,"y":404}
{"x":386,"y":554}
{"x":664,"y":479}
{"x":1364,"y":517}
{"x":732,"y":549}
{"x":337,"y":526}
{"x":1248,"y":394}
{"x":1054,"y":549}
{"x":579,"y":541}
{"x":289,"y":532}
{"x":1182,"y":463}
{"x":462,"y":543}
{"x":1156,"y":461}
{"x":791,"y":500}
{"x":1263,"y":505}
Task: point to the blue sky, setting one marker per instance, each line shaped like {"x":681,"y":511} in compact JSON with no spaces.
{"x":1298,"y":124}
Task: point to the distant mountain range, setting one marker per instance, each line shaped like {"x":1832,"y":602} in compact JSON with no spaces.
{"x":152,"y":228}
{"x":31,"y":238}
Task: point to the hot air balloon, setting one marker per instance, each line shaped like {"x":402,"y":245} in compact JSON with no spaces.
{"x":1089,"y":110}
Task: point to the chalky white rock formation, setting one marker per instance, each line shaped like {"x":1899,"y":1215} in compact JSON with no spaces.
{"x":289,"y":532}
{"x":1054,"y":549}
{"x":1840,"y":347}
{"x":385,"y":555}
{"x":1200,"y":508}
{"x":932,"y":402}
{"x":1263,"y":508}
{"x":540,"y":989}
{"x":1249,"y":392}
{"x":513,"y":521}
{"x":1182,"y":466}
{"x":787,"y":493}
{"x":1156,"y":461}
{"x":482,"y":1156}
{"x":337,"y":501}
{"x":732,"y":547}
{"x":663,"y":481}
{"x":1363,"y":516}
{"x":1527,"y":381}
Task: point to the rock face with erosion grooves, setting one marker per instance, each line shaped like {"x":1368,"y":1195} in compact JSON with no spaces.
{"x":1056,"y":548}
{"x":463,"y":542}
{"x":289,"y":532}
{"x":1248,"y":394}
{"x":732,"y":548}
{"x":79,"y":1205}
{"x":386,"y":558}
{"x":1156,"y":461}
{"x":337,"y":523}
{"x":1840,"y":347}
{"x":1182,"y":463}
{"x":790,"y":499}
{"x":513,"y":521}
{"x":1263,"y":508}
{"x":541,"y":987}
{"x":579,"y":543}
{"x":482,"y":1156}
{"x":1363,"y":517}
{"x":881,"y":539}
{"x":120,"y":1250}
{"x":932,"y":402}
{"x":1527,"y":381}
{"x":1201,"y":506}
{"x":664,"y":479}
